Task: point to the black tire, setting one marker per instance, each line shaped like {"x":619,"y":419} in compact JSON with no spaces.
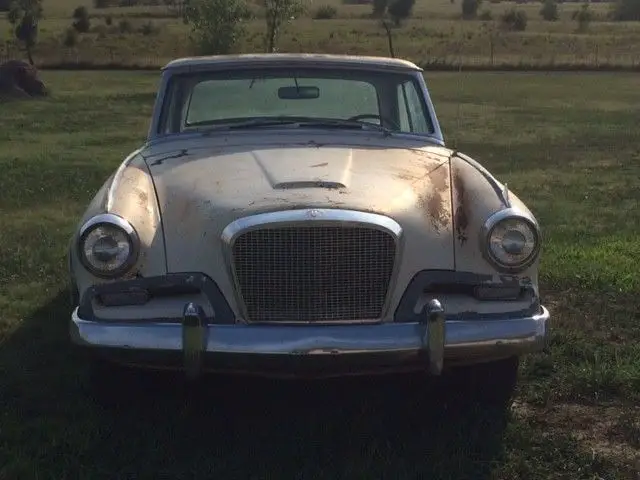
{"x":486,"y":385}
{"x":106,"y":382}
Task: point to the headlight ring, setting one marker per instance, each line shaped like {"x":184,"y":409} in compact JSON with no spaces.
{"x":510,"y":240}
{"x":108,"y":245}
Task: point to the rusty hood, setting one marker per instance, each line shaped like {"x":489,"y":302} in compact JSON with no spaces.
{"x":203,"y":187}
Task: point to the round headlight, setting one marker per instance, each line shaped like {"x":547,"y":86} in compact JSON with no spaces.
{"x":512,"y":240}
{"x":108,"y":246}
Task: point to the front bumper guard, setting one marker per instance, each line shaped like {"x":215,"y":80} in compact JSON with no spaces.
{"x":430,"y":341}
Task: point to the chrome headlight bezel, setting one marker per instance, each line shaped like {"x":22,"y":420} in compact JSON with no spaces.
{"x":498,"y":218}
{"x":115,"y":222}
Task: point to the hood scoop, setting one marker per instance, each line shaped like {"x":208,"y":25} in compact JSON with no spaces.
{"x":308,"y":184}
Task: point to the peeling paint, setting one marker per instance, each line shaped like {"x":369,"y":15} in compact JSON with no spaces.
{"x":183,"y":153}
{"x":461,"y":215}
{"x":433,"y":195}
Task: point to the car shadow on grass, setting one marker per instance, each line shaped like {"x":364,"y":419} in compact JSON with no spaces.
{"x":157,"y":424}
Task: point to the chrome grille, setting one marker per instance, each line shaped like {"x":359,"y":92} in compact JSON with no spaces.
{"x":314,"y":273}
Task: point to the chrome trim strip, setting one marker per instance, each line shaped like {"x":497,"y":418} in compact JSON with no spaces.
{"x":463,"y":339}
{"x":194,"y":339}
{"x":434,"y":335}
{"x":112,"y":218}
{"x":118,"y":221}
{"x":437,"y":129}
{"x":317,"y":216}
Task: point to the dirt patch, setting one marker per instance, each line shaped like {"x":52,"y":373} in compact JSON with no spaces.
{"x":610,"y":431}
{"x":20,"y":80}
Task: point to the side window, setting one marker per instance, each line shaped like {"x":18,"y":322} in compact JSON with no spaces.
{"x":412,"y":115}
{"x":403,"y":110}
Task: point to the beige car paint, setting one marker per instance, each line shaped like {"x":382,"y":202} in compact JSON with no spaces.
{"x":129,"y":193}
{"x":199,"y":185}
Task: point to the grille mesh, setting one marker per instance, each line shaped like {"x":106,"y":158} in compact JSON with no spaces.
{"x":314,"y":273}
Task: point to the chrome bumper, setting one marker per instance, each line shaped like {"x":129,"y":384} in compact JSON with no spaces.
{"x":430,"y":345}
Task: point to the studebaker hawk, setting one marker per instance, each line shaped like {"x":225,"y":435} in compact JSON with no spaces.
{"x":298,"y":214}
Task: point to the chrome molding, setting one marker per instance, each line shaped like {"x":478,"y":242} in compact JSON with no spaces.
{"x":496,"y":218}
{"x":437,"y":130}
{"x":434,"y":335}
{"x":194,"y":339}
{"x":124,"y":225}
{"x":316,"y":216}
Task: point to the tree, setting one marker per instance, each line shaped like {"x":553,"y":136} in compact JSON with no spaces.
{"x":514,"y":20}
{"x":276,"y":13}
{"x":216,"y":25}
{"x":584,"y":16}
{"x":400,"y":10}
{"x":470,"y":8}
{"x":549,"y":10}
{"x":24,"y":16}
{"x":379,"y":8}
{"x":626,"y":10}
{"x":81,"y":20}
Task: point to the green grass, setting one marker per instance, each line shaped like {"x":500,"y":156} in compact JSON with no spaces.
{"x":566,"y":143}
{"x":435,"y":34}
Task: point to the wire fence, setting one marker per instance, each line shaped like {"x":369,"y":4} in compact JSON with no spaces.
{"x":489,"y":57}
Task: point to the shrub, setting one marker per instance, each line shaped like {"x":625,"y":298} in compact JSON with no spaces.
{"x":470,"y":8}
{"x":515,"y":20}
{"x":124,"y":26}
{"x":216,"y":25}
{"x":486,"y":16}
{"x":626,"y":10}
{"x":549,"y":10}
{"x":400,"y":10}
{"x":584,"y":17}
{"x":325,"y":12}
{"x":108,"y":20}
{"x":149,"y":28}
{"x":379,"y":7}
{"x":81,"y":20}
{"x":70,"y":38}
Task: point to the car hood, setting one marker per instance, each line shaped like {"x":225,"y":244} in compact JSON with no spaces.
{"x":203,"y":187}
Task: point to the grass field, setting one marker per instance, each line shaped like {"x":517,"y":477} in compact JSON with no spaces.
{"x":435,"y":34}
{"x":568,"y":144}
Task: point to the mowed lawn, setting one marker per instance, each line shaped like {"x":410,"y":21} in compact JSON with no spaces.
{"x":568,"y":144}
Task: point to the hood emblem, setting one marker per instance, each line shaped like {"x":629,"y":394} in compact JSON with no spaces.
{"x":313,"y":213}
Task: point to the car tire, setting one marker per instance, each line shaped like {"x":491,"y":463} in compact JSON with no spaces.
{"x":106,"y":381}
{"x":486,"y":385}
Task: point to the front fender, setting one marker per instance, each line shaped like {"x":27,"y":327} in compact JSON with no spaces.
{"x":476,"y":195}
{"x":130,"y":194}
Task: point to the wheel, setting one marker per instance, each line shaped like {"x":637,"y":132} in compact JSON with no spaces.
{"x":108,"y":383}
{"x":491,"y":384}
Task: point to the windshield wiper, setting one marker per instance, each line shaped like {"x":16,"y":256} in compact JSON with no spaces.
{"x":253,"y":123}
{"x":296,"y":122}
{"x":337,"y":123}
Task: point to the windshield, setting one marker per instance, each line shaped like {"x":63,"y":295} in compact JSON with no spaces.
{"x":305,"y":97}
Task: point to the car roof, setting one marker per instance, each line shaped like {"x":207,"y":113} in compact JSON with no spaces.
{"x":216,"y":62}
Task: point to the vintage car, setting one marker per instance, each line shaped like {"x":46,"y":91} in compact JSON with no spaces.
{"x":300,"y":215}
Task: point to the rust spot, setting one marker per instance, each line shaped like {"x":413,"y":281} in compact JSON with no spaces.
{"x":320,"y":165}
{"x":143,"y":198}
{"x":461,"y":215}
{"x":406,"y":176}
{"x":432,"y":197}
